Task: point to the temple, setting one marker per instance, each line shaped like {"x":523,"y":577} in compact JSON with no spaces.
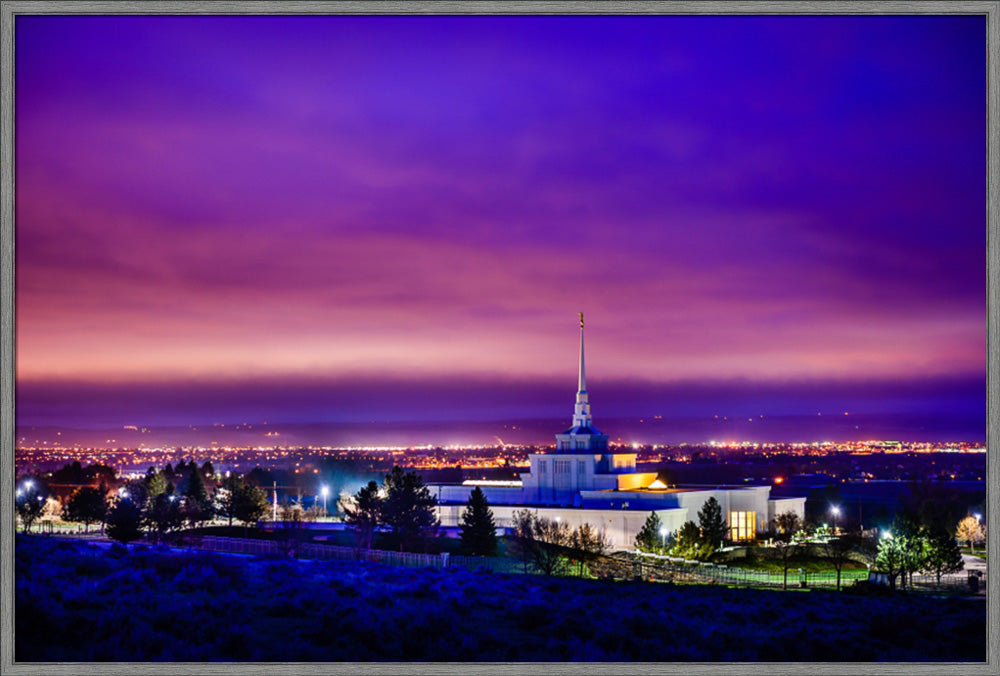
{"x":585,"y":481}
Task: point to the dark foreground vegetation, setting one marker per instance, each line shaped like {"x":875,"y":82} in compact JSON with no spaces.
{"x":82,"y":602}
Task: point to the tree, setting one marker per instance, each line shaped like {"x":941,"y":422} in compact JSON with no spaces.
{"x":971,"y":531}
{"x":207,"y":471}
{"x":688,"y":542}
{"x":136,"y":491}
{"x":197,"y":505}
{"x":891,"y":557}
{"x":364,"y":513}
{"x":589,"y":544}
{"x":163,"y":516}
{"x":786,"y":523}
{"x":541,"y":543}
{"x":713,"y":526}
{"x":839,"y":550}
{"x":156,"y":483}
{"x":943,"y":554}
{"x":524,"y":536}
{"x":29,"y":502}
{"x":551,"y":538}
{"x":226,"y":496}
{"x":124,"y":521}
{"x":408,"y":508}
{"x":250,"y":505}
{"x":912,"y":541}
{"x":649,"y":539}
{"x":785,"y":543}
{"x":786,"y":549}
{"x":479,"y":531}
{"x":291,"y":527}
{"x":87,"y":505}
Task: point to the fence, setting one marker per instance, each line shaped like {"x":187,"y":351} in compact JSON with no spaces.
{"x":619,"y":567}
{"x":679,"y":570}
{"x":309,"y":550}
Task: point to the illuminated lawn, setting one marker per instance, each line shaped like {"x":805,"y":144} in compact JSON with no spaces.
{"x":80,"y":602}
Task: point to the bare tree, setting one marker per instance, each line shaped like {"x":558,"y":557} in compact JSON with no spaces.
{"x":589,"y":544}
{"x":839,"y":550}
{"x":785,"y":525}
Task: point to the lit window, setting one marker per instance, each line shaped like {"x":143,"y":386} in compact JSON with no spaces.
{"x":743,"y":525}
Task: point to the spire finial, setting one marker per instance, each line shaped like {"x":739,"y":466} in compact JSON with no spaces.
{"x":581,"y":321}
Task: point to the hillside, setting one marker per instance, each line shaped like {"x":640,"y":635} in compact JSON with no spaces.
{"x":80,"y":602}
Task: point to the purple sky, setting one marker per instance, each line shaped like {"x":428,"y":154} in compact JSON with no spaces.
{"x":400,"y":217}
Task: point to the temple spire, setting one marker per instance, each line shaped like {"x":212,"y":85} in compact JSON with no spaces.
{"x":581,"y":412}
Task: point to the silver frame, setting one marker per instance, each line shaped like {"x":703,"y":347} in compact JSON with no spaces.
{"x":10,"y":9}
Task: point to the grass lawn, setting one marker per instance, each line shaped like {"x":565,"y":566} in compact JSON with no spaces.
{"x":809,"y":564}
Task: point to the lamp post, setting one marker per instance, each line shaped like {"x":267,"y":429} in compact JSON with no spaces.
{"x":324,"y":491}
{"x":835,"y":510}
{"x":663,"y":537}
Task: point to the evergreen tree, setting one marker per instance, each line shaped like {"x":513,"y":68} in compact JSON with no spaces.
{"x":226,"y":496}
{"x":649,"y":538}
{"x":251,"y":503}
{"x":713,"y":526}
{"x":156,"y":483}
{"x":364,"y":513}
{"x":912,"y":541}
{"x":479,"y":536}
{"x":197,"y":505}
{"x":163,"y":515}
{"x":943,"y":554}
{"x":124,"y":521}
{"x":87,"y":505}
{"x":408,"y":509}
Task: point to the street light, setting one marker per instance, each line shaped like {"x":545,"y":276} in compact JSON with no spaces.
{"x":835,"y":510}
{"x":324,"y":491}
{"x":663,"y":537}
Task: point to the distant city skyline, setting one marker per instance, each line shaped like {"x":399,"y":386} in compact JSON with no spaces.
{"x":335,"y":219}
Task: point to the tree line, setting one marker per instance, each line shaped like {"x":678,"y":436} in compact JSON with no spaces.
{"x":156,"y":505}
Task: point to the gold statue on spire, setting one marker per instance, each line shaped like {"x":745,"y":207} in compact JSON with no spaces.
{"x":581,"y":320}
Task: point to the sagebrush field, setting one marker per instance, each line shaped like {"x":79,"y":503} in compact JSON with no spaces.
{"x":83,"y":602}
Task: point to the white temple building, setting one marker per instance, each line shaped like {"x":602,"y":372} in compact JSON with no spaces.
{"x":583,"y":481}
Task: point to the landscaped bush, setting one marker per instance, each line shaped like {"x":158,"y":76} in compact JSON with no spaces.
{"x":80,"y":602}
